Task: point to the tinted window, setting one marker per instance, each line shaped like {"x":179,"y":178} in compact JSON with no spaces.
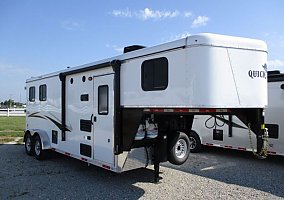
{"x":103,"y":100}
{"x":32,"y":94}
{"x":42,"y":92}
{"x":154,"y":74}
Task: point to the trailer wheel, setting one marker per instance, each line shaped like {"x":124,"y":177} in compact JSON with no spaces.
{"x":195,"y":143}
{"x":178,"y":150}
{"x":29,"y":147}
{"x":38,"y":151}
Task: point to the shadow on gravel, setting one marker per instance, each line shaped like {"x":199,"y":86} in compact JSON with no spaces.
{"x":239,"y":168}
{"x":62,"y":177}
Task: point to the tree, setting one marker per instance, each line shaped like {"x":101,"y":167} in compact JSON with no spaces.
{"x":9,"y":103}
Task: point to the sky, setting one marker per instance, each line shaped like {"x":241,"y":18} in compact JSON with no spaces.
{"x":39,"y":37}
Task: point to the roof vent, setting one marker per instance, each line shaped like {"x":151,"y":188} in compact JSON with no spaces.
{"x":132,"y":48}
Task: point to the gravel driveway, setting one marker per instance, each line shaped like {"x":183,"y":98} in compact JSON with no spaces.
{"x":212,"y":174}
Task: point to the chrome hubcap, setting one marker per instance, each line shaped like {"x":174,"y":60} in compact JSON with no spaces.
{"x":181,"y":148}
{"x":37,"y":147}
{"x":28,"y":144}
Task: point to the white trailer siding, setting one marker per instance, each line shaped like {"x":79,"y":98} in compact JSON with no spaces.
{"x":196,"y":74}
{"x":39,"y":113}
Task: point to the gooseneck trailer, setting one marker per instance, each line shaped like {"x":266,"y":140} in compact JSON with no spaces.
{"x":138,"y":108}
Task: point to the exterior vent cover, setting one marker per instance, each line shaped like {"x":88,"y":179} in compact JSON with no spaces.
{"x":132,"y":48}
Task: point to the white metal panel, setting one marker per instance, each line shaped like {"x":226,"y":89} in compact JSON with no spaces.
{"x":252,"y":91}
{"x":210,"y":78}
{"x":39,"y":113}
{"x":133,"y":95}
{"x":104,"y":125}
{"x":77,"y":110}
{"x":200,"y":77}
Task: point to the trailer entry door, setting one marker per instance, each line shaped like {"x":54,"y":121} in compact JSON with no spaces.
{"x":103,"y":118}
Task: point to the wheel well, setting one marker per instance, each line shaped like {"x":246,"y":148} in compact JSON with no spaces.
{"x":33,"y":135}
{"x":193,"y":131}
{"x":26,"y":132}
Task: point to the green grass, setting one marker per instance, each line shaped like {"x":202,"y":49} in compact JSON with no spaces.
{"x":11,"y":127}
{"x":12,"y":124}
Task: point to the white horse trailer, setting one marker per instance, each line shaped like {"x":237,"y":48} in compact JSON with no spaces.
{"x":137,"y":108}
{"x":231,"y":133}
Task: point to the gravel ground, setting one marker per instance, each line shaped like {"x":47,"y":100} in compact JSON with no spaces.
{"x":212,"y":174}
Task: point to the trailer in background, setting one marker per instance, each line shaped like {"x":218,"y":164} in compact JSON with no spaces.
{"x":229,"y":132}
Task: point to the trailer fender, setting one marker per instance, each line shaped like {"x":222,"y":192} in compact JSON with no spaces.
{"x":45,"y":141}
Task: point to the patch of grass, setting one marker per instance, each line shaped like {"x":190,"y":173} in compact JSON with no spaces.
{"x":9,"y":124}
{"x":12,"y":134}
{"x":10,"y":128}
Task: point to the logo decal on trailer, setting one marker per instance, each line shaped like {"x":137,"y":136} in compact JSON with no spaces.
{"x":258,"y":73}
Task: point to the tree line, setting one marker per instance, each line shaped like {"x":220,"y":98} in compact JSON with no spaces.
{"x":10,"y":104}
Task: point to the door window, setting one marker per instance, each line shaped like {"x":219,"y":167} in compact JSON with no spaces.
{"x":103,"y":100}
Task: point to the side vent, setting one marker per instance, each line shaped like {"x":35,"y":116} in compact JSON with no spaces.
{"x":85,"y":150}
{"x":85,"y":97}
{"x":54,"y":137}
{"x":85,"y":125}
{"x":132,"y":48}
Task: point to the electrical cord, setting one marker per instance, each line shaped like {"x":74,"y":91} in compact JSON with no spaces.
{"x":215,"y":124}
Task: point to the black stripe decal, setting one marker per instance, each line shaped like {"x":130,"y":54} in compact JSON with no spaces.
{"x":58,"y":124}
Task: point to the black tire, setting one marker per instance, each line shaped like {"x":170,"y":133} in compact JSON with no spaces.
{"x":39,"y":153}
{"x":178,"y":150}
{"x":195,"y":142}
{"x":29,"y":146}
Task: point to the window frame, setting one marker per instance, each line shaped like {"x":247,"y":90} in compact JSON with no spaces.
{"x":102,"y":112}
{"x":32,"y":92}
{"x":42,"y":92}
{"x":154,"y":64}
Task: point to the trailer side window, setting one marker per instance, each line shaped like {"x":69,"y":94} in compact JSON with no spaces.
{"x":32,"y":94}
{"x":103,"y":100}
{"x":154,"y":74}
{"x":42,"y":92}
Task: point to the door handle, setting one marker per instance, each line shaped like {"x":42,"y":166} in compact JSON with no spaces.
{"x":95,"y":119}
{"x":92,"y":118}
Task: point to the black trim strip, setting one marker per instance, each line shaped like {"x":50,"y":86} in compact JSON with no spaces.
{"x":85,"y":69}
{"x":154,"y":53}
{"x":118,"y":137}
{"x":63,"y":105}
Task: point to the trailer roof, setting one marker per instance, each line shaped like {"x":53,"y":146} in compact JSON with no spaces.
{"x":202,"y":39}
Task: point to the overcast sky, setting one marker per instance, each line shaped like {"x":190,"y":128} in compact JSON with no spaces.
{"x":38,"y":37}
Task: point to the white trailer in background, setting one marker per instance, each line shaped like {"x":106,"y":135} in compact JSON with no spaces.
{"x":137,"y":109}
{"x":231,"y":133}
